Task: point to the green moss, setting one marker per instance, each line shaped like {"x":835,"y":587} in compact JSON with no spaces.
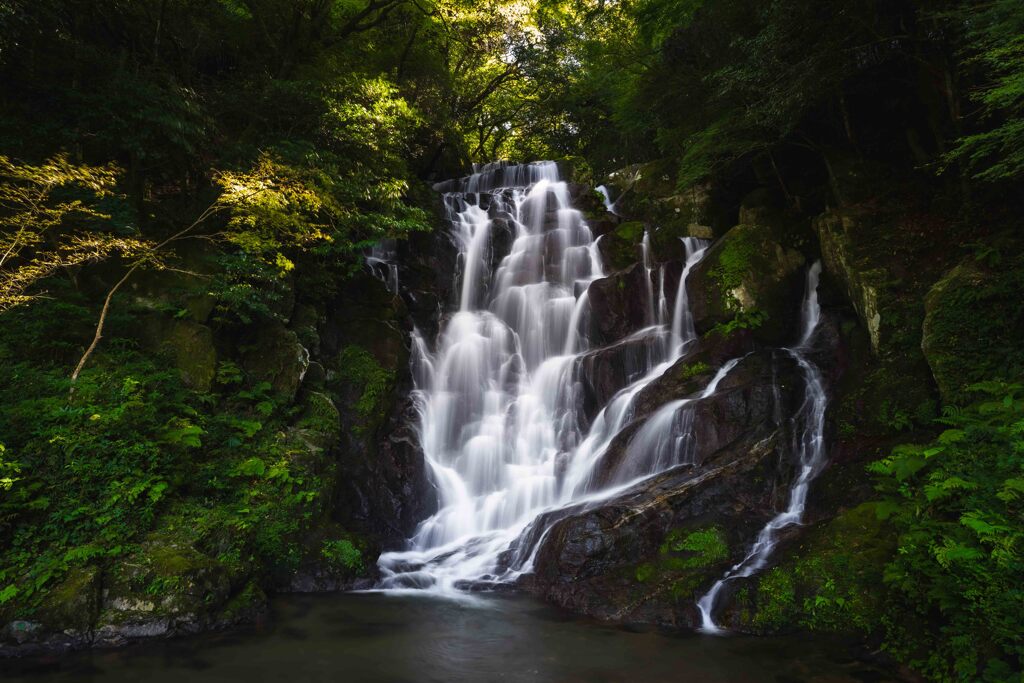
{"x":777,"y":601}
{"x":242,"y":604}
{"x":320,"y":416}
{"x":830,"y":583}
{"x":683,"y":560}
{"x":360,"y":368}
{"x":693,"y":549}
{"x":736,"y":261}
{"x":631,"y":231}
{"x":619,"y":248}
{"x":693,"y":369}
{"x":972,"y":326}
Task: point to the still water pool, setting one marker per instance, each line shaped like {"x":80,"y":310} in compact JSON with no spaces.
{"x":387,"y":638}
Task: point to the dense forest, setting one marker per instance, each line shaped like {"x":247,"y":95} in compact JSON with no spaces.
{"x":198,"y":374}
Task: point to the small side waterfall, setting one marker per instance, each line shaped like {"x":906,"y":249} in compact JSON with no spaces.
{"x":809,"y":447}
{"x":609,"y":205}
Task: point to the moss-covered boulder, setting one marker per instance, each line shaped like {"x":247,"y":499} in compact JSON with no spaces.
{"x":186,"y":344}
{"x":168,"y":587}
{"x":274,"y":354}
{"x":320,"y":422}
{"x":861,"y":278}
{"x":74,"y":604}
{"x":648,"y":192}
{"x":972,"y":328}
{"x":827,"y":580}
{"x":620,"y":248}
{"x":748,"y":279}
{"x":194,"y":353}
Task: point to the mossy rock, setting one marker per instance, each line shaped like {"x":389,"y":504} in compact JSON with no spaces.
{"x":685,"y":560}
{"x":366,"y":387}
{"x":972,"y":327}
{"x":74,"y":603}
{"x":166,"y":577}
{"x":187,"y":344}
{"x":829,"y":582}
{"x":194,"y":353}
{"x":649,"y":192}
{"x":862,"y":279}
{"x":620,"y":248}
{"x":275,"y":355}
{"x":749,"y":280}
{"x":320,"y":423}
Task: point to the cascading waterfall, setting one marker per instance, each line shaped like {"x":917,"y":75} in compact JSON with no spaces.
{"x":809,"y":446}
{"x":498,"y":399}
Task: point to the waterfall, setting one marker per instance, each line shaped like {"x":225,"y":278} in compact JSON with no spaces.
{"x":609,"y":205}
{"x":498,"y":398}
{"x":381,"y":262}
{"x":809,"y":447}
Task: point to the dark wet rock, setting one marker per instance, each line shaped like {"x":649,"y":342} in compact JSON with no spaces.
{"x":692,"y":372}
{"x":748,"y":403}
{"x":613,"y":562}
{"x":624,"y":303}
{"x":649,"y":192}
{"x":382,"y":488}
{"x":427,"y":276}
{"x":605,"y":371}
{"x":617,"y":304}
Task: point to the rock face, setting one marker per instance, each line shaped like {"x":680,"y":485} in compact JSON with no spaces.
{"x":276,"y":356}
{"x":860,"y":280}
{"x":384,"y":489}
{"x":751,"y":280}
{"x":648,"y":192}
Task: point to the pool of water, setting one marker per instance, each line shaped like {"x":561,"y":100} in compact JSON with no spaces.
{"x":412,"y":638}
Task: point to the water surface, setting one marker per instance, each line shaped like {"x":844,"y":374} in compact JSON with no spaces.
{"x":412,"y":638}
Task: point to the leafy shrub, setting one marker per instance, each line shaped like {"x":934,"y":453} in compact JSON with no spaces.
{"x":958,"y":506}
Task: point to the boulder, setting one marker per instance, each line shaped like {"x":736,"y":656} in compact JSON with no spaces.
{"x":274,"y":354}
{"x":194,"y":353}
{"x":748,"y":279}
{"x":647,"y":554}
{"x":746,"y":405}
{"x":972,"y":326}
{"x":619,"y":304}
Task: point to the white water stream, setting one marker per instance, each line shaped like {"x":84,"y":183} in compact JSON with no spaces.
{"x":809,"y":446}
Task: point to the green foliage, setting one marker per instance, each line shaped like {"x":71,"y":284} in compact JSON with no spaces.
{"x":957,"y":506}
{"x":694,"y":369}
{"x":696,"y":548}
{"x":995,"y":45}
{"x":343,"y":554}
{"x":777,"y":600}
{"x":373,"y":382}
{"x":51,"y":218}
{"x":132,"y":452}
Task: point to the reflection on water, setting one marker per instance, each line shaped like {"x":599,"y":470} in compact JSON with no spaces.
{"x":413,"y":638}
